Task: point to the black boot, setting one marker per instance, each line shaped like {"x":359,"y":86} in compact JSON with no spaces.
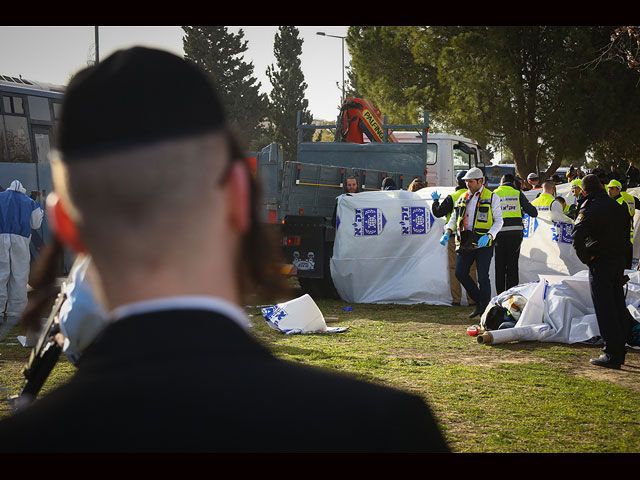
{"x":476,"y":311}
{"x":607,"y":361}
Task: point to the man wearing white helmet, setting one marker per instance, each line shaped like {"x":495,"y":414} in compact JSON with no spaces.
{"x":476,"y":219}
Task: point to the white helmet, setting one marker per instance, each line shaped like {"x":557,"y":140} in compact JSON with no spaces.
{"x":473,"y":173}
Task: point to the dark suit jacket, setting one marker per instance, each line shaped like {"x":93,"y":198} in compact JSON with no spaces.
{"x":195,"y":381}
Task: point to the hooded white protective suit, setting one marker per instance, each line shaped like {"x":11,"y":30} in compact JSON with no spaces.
{"x":18,"y":215}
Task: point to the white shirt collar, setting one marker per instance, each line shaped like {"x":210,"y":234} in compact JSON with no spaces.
{"x":192,"y":302}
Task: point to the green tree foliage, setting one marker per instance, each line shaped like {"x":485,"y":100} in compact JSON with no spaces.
{"x":386,"y":71}
{"x":522,"y":88}
{"x":351,"y":87}
{"x":219,"y":54}
{"x":617,"y":114}
{"x":287,"y":96}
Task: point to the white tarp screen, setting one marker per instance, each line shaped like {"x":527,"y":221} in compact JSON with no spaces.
{"x":387,"y":248}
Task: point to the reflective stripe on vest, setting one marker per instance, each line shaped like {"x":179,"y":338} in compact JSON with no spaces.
{"x":483,"y":218}
{"x":543,"y":202}
{"x":511,"y":211}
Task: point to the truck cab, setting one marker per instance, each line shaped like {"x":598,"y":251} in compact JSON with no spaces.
{"x":447,"y":155}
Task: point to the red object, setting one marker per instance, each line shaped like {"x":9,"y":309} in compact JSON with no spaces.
{"x":253,"y":165}
{"x":473,"y":330}
{"x":359,"y":117}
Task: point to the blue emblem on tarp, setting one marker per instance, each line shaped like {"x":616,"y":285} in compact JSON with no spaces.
{"x":562,"y":232}
{"x":368,"y":221}
{"x":530,"y":224}
{"x":274,"y":314}
{"x":416,"y":221}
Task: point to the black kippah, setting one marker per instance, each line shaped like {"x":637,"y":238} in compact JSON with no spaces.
{"x":134,"y":97}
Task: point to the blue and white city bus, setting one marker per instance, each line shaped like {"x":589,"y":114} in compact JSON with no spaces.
{"x":29,"y":112}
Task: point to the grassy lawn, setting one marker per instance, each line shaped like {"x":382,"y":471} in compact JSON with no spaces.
{"x":518,"y":397}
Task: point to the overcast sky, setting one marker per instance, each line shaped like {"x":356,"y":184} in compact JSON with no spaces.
{"x":53,"y":54}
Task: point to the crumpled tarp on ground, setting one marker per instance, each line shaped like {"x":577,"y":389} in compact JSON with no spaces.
{"x":564,"y":304}
{"x":299,"y":315}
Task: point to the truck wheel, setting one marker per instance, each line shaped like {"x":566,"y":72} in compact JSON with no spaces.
{"x":312,"y":286}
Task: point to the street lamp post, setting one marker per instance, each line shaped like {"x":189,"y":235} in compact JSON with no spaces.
{"x":341,"y":38}
{"x":97,"y":36}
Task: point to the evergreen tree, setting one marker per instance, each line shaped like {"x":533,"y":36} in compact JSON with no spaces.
{"x":219,"y":54}
{"x":525,"y":88}
{"x":288,"y":92}
{"x":351,"y":88}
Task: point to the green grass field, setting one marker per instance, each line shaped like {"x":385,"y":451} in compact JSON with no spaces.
{"x":517,"y":397}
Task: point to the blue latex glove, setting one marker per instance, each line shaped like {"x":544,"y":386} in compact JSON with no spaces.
{"x":435,"y":195}
{"x":484,"y":241}
{"x":445,"y":238}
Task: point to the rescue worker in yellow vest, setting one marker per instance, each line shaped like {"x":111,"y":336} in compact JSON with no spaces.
{"x":547,"y":202}
{"x":440,"y":210}
{"x":476,"y":219}
{"x":508,"y":241}
{"x":614,"y":189}
{"x":571,"y":210}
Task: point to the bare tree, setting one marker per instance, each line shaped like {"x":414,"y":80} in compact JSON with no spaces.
{"x":624,"y":47}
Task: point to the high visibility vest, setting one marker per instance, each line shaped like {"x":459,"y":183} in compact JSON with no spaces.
{"x":483,"y":218}
{"x":631,"y":204}
{"x":455,"y":196}
{"x":511,"y":210}
{"x":631,"y":201}
{"x":543,"y":202}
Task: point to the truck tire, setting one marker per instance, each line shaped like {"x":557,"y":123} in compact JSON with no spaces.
{"x":320,"y":287}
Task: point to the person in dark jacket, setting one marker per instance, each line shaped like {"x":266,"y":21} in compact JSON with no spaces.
{"x":601,"y":240}
{"x":389,"y":184}
{"x":633,"y":175}
{"x":176,"y":245}
{"x":508,"y":241}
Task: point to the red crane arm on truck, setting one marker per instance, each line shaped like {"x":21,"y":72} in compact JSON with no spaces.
{"x":357,"y":118}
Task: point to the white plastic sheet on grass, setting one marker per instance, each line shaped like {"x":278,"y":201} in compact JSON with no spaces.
{"x":300,"y":315}
{"x":564,"y":304}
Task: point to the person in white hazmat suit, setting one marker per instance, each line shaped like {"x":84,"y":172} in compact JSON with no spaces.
{"x":18,"y":215}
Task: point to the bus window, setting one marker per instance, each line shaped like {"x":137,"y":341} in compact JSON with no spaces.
{"x":3,"y":147}
{"x":57,"y":110}
{"x":13,"y":105}
{"x":17,"y":140}
{"x":39,"y":108}
{"x":43,"y":144}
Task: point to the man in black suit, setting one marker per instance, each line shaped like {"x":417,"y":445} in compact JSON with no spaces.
{"x":601,"y":240}
{"x":151,"y":184}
